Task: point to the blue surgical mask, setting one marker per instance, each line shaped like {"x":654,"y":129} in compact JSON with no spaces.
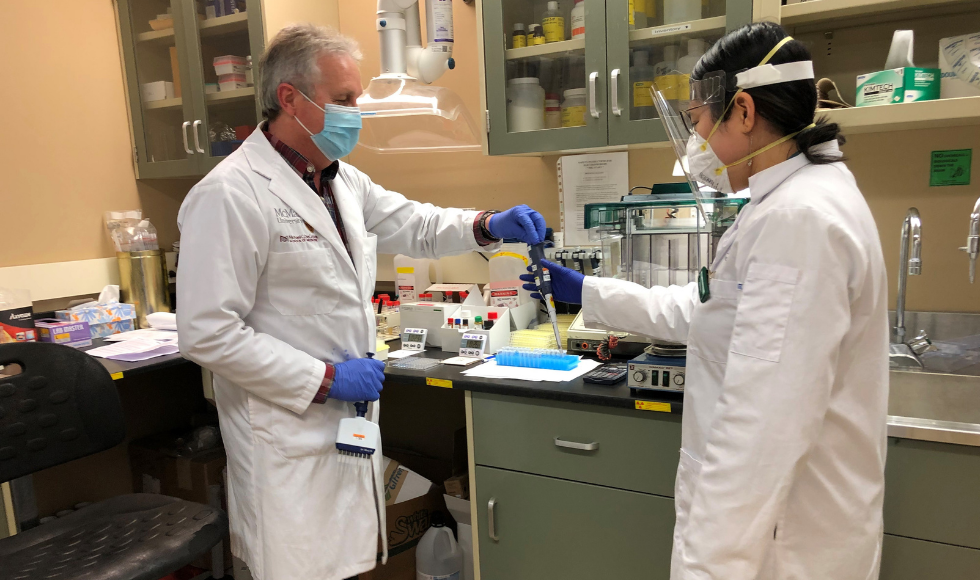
{"x":341,"y":129}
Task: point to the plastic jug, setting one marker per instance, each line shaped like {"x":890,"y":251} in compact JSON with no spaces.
{"x":438,"y":556}
{"x":412,"y":277}
{"x":506,"y":267}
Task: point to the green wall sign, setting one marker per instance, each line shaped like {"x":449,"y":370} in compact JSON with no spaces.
{"x":950,"y":167}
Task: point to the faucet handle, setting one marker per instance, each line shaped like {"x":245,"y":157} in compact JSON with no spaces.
{"x":921,"y":343}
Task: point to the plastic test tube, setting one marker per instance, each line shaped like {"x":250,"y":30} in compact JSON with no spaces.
{"x":478,"y":322}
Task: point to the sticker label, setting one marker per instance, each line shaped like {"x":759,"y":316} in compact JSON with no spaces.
{"x":573,"y":116}
{"x":116,"y":376}
{"x":406,"y":286}
{"x":554,"y":29}
{"x":652,"y":406}
{"x":504,"y":297}
{"x":444,"y":383}
{"x":950,"y":167}
{"x":642,"y":97}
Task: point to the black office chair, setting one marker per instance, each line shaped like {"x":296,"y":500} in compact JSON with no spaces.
{"x":63,"y":406}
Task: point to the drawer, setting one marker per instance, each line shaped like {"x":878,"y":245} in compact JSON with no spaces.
{"x":634,"y":450}
{"x":908,"y":559}
{"x":551,"y":528}
{"x":931,"y":492}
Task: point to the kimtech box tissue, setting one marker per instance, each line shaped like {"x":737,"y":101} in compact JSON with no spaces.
{"x":900,"y":85}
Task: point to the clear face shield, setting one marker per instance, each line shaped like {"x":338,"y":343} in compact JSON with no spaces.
{"x":681,"y":103}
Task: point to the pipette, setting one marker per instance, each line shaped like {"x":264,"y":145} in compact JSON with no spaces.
{"x":543,"y":281}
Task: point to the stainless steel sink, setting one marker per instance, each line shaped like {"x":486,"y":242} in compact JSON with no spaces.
{"x":936,"y":406}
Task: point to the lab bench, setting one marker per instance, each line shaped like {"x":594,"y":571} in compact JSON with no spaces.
{"x":581,"y":480}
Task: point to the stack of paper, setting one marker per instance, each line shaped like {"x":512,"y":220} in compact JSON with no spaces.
{"x":136,"y":349}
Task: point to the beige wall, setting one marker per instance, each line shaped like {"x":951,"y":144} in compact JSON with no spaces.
{"x":891,"y":169}
{"x":66,"y":154}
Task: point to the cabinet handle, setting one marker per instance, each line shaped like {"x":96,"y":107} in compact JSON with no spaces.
{"x":593,"y":77}
{"x":197,"y":137}
{"x":491,"y":526}
{"x":573,"y":445}
{"x":614,"y":87}
{"x":183,"y":132}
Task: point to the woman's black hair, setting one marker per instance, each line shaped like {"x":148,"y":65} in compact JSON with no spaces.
{"x":788,"y":106}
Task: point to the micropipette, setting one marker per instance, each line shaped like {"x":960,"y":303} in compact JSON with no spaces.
{"x":543,"y":281}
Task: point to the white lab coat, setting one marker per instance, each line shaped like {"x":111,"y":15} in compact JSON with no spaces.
{"x":266,"y":295}
{"x":781,"y":473}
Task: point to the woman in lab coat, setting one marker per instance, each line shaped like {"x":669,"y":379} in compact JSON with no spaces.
{"x":781,"y":470}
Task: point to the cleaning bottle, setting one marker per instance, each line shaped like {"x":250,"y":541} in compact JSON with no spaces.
{"x":438,"y":556}
{"x":553,"y":23}
{"x":681,"y":11}
{"x":641,"y":78}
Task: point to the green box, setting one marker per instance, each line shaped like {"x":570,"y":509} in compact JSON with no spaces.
{"x":900,"y":85}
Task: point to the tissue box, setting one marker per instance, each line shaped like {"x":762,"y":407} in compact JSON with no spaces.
{"x":103,"y":319}
{"x":900,"y":85}
{"x":73,"y":334}
{"x":959,"y":63}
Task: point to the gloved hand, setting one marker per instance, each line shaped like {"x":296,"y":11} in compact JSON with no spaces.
{"x":359,"y":379}
{"x":566,"y":284}
{"x":520,"y":222}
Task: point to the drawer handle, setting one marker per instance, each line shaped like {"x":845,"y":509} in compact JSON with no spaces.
{"x":491,"y":526}
{"x":573,"y":445}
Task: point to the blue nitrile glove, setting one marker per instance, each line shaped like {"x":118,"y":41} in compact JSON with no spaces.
{"x":359,"y":379}
{"x":565,"y":283}
{"x":519,"y":222}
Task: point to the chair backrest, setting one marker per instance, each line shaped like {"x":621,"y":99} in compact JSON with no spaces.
{"x":62,"y":406}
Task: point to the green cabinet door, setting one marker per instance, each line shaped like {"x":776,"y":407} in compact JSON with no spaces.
{"x":654,"y":45}
{"x":908,"y":559}
{"x":570,"y":74}
{"x":224,"y":116}
{"x":932,"y":492}
{"x":155,"y":56}
{"x":553,"y":528}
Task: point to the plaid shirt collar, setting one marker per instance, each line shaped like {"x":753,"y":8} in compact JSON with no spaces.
{"x":295,"y":160}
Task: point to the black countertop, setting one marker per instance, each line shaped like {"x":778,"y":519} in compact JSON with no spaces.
{"x":576,"y":391}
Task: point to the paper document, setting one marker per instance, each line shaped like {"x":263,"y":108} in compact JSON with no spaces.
{"x":462,"y":361}
{"x":402,"y":353}
{"x":491,"y":370}
{"x":586,"y":179}
{"x":136,"y":349}
{"x":149,"y":333}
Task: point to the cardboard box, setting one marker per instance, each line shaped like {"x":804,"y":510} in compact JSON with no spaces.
{"x":458,"y":486}
{"x":900,"y":85}
{"x":959,"y":63}
{"x":157,"y":468}
{"x":103,"y":319}
{"x":16,"y":316}
{"x":73,"y":334}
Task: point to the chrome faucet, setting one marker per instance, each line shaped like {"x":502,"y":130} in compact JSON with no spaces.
{"x":973,"y":240}
{"x":908,"y":265}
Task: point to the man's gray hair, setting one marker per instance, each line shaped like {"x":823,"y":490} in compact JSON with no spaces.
{"x":291,"y":58}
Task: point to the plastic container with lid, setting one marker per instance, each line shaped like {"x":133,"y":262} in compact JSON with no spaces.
{"x":552,"y":111}
{"x":553,"y":23}
{"x":573,"y":108}
{"x":525,"y":105}
{"x":438,"y":556}
{"x":519,"y":38}
{"x":536,"y":35}
{"x":578,"y":19}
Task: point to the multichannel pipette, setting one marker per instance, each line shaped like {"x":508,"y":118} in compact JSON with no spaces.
{"x":543,"y":281}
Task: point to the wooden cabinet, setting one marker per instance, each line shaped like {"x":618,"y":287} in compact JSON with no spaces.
{"x":609,"y":70}
{"x":171,"y":41}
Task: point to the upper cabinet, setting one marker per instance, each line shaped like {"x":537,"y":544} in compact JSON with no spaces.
{"x":576,"y":74}
{"x":185,"y":117}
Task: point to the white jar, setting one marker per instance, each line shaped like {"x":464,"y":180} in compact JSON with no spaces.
{"x":578,"y":19}
{"x":573,"y":108}
{"x":552,"y":113}
{"x":525,"y":105}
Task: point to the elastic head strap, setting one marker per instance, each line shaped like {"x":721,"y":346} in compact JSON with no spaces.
{"x":772,"y":53}
{"x":779,"y":141}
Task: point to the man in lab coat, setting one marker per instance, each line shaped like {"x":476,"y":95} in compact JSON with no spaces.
{"x":279,"y":252}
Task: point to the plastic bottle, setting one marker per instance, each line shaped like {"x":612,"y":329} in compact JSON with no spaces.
{"x":412,"y":277}
{"x":478,"y":323}
{"x":641,"y":78}
{"x":438,"y":556}
{"x":578,"y":19}
{"x":525,"y":105}
{"x":519,"y":38}
{"x":539,"y":37}
{"x":552,"y":111}
{"x":681,"y":11}
{"x":640,"y":13}
{"x":553,"y":23}
{"x":695,"y":50}
{"x":506,"y":268}
{"x":573,"y":108}
{"x":665,"y":75}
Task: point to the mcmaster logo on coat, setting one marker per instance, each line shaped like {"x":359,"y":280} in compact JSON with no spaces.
{"x":287,"y":216}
